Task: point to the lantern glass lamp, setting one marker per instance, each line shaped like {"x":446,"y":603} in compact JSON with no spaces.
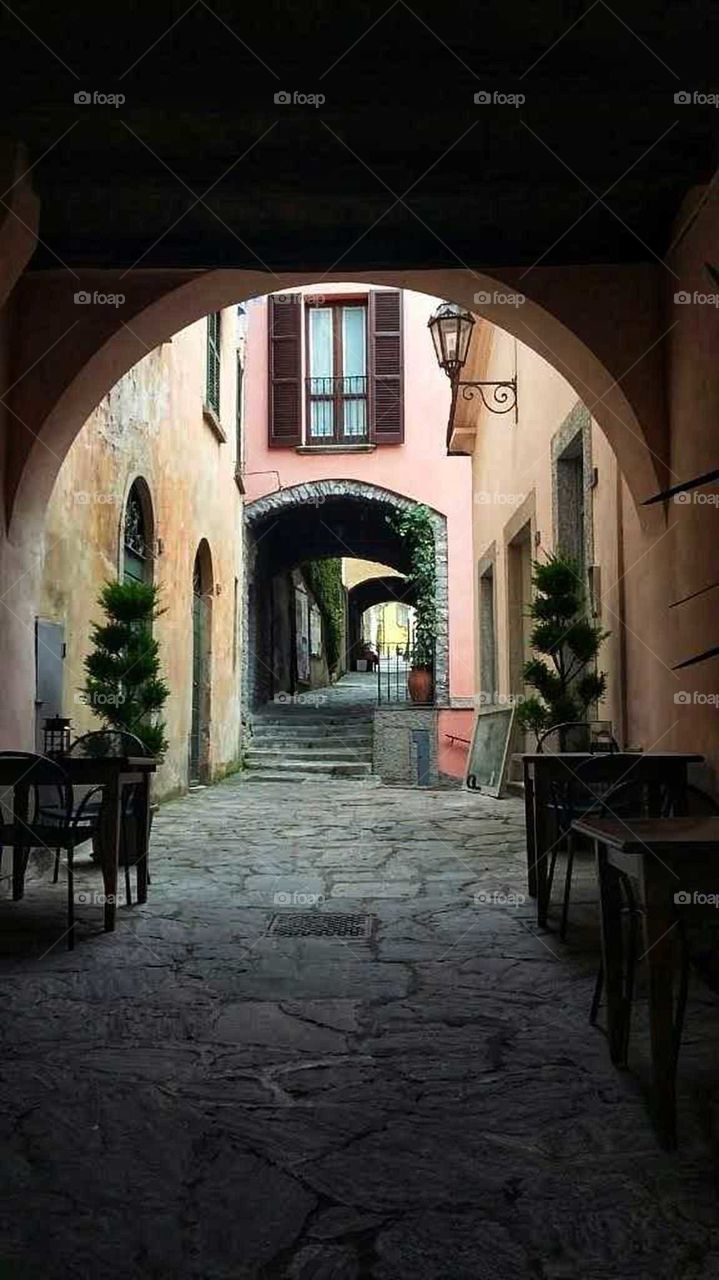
{"x":56,"y":735}
{"x":451,"y":328}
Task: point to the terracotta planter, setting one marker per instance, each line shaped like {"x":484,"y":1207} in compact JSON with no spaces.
{"x":420,"y":684}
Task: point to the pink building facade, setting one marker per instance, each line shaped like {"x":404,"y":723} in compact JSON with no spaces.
{"x":334,"y":465}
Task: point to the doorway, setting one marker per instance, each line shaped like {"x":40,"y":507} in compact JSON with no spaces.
{"x":201,"y":655}
{"x":519,"y":597}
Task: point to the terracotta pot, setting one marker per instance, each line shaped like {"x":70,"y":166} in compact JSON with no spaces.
{"x":419,"y":683}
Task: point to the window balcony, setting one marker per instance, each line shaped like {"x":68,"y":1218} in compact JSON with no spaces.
{"x":337,"y":411}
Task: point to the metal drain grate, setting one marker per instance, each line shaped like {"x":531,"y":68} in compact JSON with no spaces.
{"x":320,"y":924}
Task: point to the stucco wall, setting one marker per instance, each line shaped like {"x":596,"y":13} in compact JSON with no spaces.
{"x":514,"y":464}
{"x":152,"y":425}
{"x":419,"y":469}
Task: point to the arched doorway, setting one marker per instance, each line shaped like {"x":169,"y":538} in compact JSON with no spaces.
{"x":319,"y":520}
{"x":202,"y":587}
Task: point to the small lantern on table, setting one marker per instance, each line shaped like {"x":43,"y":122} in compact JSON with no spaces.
{"x":56,"y":736}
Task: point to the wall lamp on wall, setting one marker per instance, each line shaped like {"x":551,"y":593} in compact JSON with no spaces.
{"x":451,"y":328}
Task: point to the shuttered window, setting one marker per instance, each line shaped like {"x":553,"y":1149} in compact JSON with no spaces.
{"x":386,"y":366}
{"x":353,"y":375}
{"x":212,"y":394}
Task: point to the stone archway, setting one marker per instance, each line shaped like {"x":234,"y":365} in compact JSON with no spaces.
{"x":298,"y":523}
{"x":67,"y":358}
{"x":584,"y":344}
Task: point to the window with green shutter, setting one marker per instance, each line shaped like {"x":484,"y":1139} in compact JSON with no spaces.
{"x":213,"y":362}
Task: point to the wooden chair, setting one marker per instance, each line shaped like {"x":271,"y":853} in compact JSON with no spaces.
{"x":633,"y":801}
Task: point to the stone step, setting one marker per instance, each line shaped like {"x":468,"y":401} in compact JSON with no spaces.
{"x":311,"y":755}
{"x":319,"y":768}
{"x":312,"y":718}
{"x":302,"y":738}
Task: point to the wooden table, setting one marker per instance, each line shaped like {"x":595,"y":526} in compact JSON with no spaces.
{"x":541,"y":770}
{"x":661,"y":857}
{"x":113,"y":774}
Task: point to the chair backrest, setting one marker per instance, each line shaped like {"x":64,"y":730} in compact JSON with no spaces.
{"x":33,"y":781}
{"x":583,"y":787}
{"x":107,"y":742}
{"x":578,"y":735}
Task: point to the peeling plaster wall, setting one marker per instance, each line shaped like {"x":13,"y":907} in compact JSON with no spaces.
{"x":152,"y":425}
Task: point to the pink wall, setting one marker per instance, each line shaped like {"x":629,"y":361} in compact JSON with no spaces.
{"x":419,"y":469}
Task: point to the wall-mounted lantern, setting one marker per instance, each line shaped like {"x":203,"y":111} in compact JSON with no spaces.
{"x":451,"y":328}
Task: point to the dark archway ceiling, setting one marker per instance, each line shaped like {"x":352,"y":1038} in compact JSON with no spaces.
{"x":334,"y":528}
{"x":399,"y":167}
{"x":379,"y":591}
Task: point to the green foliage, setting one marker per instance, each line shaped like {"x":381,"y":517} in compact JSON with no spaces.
{"x":415,"y":528}
{"x":124,"y":686}
{"x":324,"y":580}
{"x":569,"y":639}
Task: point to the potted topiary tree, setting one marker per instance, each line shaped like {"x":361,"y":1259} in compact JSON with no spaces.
{"x":568,"y":684}
{"x":415,"y":528}
{"x":124,"y":686}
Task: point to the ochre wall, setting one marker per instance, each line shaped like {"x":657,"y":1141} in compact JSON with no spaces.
{"x":152,"y":425}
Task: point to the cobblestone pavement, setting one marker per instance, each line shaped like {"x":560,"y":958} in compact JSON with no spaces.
{"x":193,"y":1097}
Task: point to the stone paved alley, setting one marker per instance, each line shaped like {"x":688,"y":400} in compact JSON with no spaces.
{"x":194,"y":1098}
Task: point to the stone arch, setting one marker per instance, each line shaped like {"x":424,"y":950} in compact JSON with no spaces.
{"x":316,"y":500}
{"x":569,"y":318}
{"x":371,"y":591}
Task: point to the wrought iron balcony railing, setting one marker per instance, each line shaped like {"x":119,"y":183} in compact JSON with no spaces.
{"x":337,"y":410}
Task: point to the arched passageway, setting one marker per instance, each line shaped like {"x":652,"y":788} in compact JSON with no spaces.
{"x":320,"y":520}
{"x":368,"y":593}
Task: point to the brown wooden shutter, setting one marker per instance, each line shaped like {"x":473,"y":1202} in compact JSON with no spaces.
{"x":386,"y":366}
{"x":285,"y":348}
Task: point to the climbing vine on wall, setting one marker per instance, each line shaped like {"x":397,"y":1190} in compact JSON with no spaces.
{"x":416,"y":530}
{"x":324,"y":580}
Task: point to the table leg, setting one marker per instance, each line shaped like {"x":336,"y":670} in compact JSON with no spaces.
{"x":661,"y":940}
{"x":143,"y":837}
{"x":610,"y":909}
{"x":530,"y":830}
{"x":111,"y":821}
{"x":544,"y":835}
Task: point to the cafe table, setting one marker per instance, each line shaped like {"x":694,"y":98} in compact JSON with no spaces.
{"x":665,"y":770}
{"x":114,"y":774}
{"x":673,"y":867}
